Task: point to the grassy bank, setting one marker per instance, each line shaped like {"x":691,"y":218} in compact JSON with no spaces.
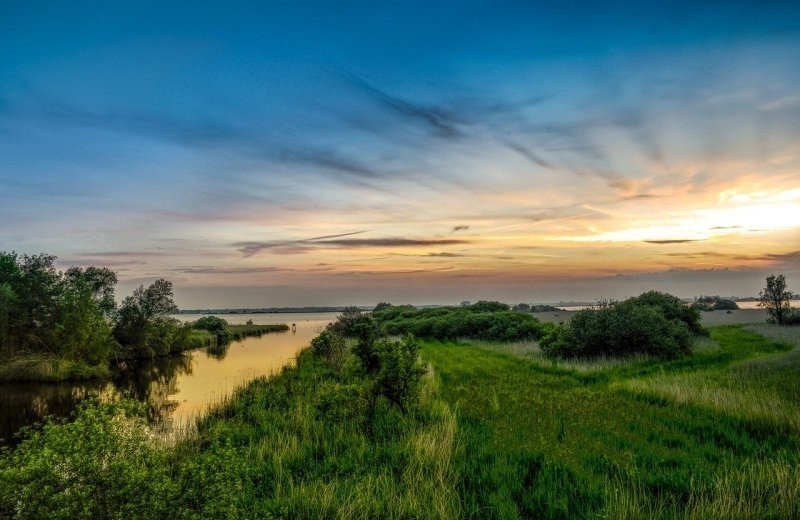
{"x":607,"y":439}
{"x":43,"y":368}
{"x":245,"y":331}
{"x":299,"y":444}
{"x":499,"y":431}
{"x":52,"y":369}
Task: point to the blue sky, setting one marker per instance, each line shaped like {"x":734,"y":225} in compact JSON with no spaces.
{"x":297,"y":153}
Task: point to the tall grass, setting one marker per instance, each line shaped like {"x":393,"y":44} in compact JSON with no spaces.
{"x":44,"y":368}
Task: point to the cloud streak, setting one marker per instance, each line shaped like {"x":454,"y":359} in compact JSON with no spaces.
{"x":338,"y":242}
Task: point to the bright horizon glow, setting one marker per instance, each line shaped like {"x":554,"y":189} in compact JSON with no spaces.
{"x":261,"y":154}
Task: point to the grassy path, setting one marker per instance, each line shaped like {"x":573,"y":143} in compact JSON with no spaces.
{"x":540,"y":439}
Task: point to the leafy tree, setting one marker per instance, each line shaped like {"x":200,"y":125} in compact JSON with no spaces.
{"x":83,"y":330}
{"x":521,"y":307}
{"x":144,"y":314}
{"x":776,"y":299}
{"x":100,"y":281}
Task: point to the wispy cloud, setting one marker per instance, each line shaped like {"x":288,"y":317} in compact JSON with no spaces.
{"x":226,"y":270}
{"x":673,"y":241}
{"x":335,"y":241}
{"x":442,"y":122}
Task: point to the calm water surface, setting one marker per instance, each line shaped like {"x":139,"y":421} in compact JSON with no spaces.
{"x":177,"y":388}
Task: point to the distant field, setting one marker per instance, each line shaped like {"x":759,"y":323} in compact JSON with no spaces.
{"x":709,"y":319}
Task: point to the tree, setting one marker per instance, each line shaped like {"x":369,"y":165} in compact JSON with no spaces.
{"x":775,"y":298}
{"x":143,"y":312}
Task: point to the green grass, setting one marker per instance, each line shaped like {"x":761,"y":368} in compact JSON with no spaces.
{"x":292,"y":459}
{"x":500,"y":432}
{"x":605,"y":439}
{"x":243,"y":331}
{"x":42,"y":368}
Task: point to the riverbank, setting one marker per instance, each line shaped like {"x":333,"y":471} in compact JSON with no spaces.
{"x":51,"y":369}
{"x":41,"y":368}
{"x":499,"y":432}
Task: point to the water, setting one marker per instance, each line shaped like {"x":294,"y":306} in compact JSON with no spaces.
{"x":177,"y":389}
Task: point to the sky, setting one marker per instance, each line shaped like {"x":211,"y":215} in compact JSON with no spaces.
{"x":331,"y":153}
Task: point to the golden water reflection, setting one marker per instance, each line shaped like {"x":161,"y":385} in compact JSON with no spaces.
{"x":177,"y":389}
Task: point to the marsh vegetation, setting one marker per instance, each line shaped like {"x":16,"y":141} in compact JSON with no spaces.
{"x":364,"y":425}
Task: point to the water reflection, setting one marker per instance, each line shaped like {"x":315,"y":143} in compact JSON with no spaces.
{"x":177,"y":389}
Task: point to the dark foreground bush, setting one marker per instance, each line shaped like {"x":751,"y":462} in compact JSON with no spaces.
{"x":623,"y":329}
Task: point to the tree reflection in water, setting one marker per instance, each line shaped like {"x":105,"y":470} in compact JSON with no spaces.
{"x":151,"y":381}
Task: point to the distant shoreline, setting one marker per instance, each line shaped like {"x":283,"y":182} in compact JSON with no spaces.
{"x":278,"y":310}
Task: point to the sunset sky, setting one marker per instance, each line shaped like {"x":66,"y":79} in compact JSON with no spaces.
{"x":323,"y":153}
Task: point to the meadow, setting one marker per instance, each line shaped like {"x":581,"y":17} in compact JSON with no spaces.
{"x":499,"y":430}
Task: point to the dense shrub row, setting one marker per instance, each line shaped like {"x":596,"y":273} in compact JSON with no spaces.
{"x":653,"y":323}
{"x":490,"y":321}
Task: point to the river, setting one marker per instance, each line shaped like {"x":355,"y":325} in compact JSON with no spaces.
{"x":177,"y":389}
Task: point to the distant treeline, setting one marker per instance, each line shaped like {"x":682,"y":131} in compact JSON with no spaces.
{"x":714,"y":303}
{"x":269,"y":310}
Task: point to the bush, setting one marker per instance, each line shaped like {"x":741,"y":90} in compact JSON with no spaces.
{"x":103,"y":464}
{"x":330,"y":347}
{"x":400,"y":374}
{"x":217,"y":326}
{"x":618,"y":330}
{"x":672,"y":308}
{"x":452,"y":323}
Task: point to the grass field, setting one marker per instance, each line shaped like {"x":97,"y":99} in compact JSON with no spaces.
{"x":712,"y":436}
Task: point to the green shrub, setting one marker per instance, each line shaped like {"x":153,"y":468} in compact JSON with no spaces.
{"x":487,"y":321}
{"x":672,"y":308}
{"x":103,"y":464}
{"x":401,"y":371}
{"x":329,"y":346}
{"x":217,"y":326}
{"x":618,"y":330}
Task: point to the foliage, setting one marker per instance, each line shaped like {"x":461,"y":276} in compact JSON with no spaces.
{"x":143,"y":327}
{"x":488,"y":306}
{"x":329,"y":346}
{"x":489,"y":321}
{"x":348,"y":321}
{"x":714,"y":303}
{"x":102,"y":464}
{"x":217,"y":326}
{"x":47,"y":312}
{"x":776,"y":299}
{"x":524,"y":307}
{"x":672,"y":308}
{"x":654,"y":324}
{"x":400,"y":373}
